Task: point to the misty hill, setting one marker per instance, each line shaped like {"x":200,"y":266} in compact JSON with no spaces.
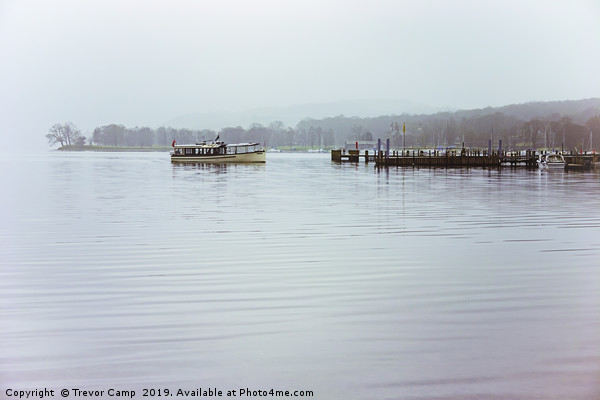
{"x":291,"y":115}
{"x":579,"y":110}
{"x":567,"y":124}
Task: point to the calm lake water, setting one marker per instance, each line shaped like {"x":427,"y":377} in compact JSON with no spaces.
{"x":121,"y":270}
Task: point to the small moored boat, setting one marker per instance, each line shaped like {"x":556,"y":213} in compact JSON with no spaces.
{"x":218,"y":152}
{"x":551,"y":161}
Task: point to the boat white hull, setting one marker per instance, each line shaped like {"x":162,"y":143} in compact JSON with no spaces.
{"x":552,"y":165}
{"x":254,"y":157}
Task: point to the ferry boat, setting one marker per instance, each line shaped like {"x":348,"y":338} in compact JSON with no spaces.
{"x":551,"y":161}
{"x":218,"y":152}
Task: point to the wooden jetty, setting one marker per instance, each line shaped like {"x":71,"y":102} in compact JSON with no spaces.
{"x":340,"y":155}
{"x":580,"y":161}
{"x":434,"y":158}
{"x":461,"y":158}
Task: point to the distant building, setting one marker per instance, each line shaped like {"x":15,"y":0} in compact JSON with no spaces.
{"x":362,"y":145}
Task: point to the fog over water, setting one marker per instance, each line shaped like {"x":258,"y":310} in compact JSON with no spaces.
{"x":121,"y":270}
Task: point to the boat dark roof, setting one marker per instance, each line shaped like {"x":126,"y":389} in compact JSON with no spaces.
{"x":242,"y":144}
{"x":212,"y":145}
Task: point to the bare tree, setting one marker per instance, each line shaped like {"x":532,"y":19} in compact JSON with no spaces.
{"x":66,"y":134}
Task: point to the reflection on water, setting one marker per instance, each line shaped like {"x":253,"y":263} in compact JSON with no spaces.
{"x":124,"y":270}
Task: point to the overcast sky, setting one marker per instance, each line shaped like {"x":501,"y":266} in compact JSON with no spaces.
{"x":146,"y":62}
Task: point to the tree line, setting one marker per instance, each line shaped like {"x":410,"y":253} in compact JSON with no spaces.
{"x":474,"y":128}
{"x":275,"y":134}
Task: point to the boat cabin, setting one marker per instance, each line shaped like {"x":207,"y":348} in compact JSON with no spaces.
{"x":555,"y":158}
{"x":208,"y":149}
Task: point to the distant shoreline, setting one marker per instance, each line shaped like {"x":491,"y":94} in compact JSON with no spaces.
{"x":113,"y":149}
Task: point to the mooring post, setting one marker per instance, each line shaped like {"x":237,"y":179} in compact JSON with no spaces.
{"x":387,"y":147}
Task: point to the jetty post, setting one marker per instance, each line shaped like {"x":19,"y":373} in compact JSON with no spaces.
{"x":387,"y":148}
{"x":336,"y":155}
